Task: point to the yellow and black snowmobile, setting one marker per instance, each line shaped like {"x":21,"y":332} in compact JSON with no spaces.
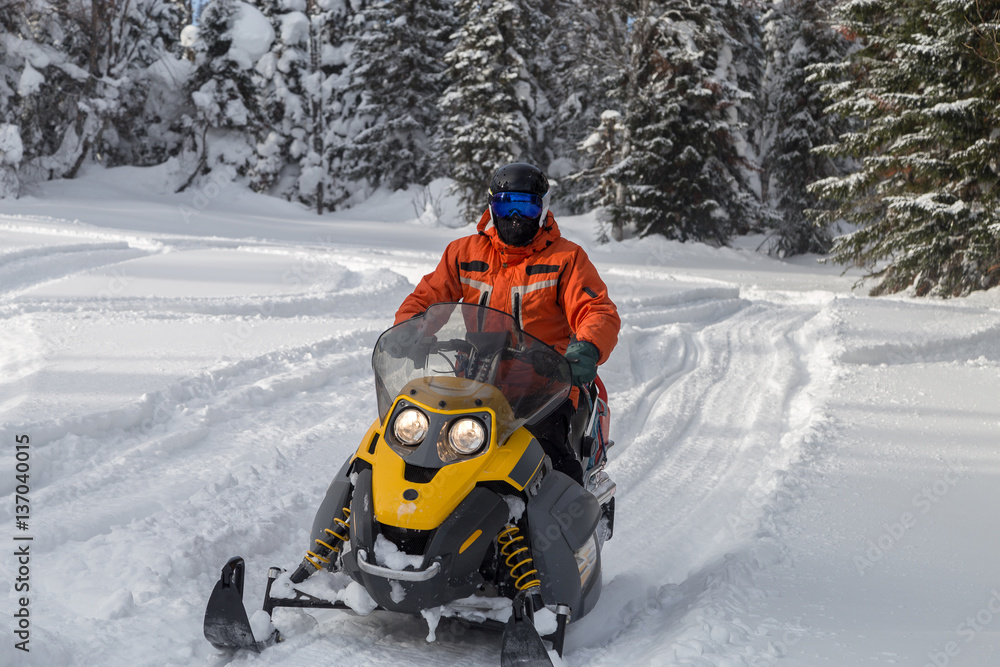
{"x":449,"y":498}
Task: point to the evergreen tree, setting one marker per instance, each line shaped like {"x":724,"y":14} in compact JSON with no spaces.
{"x":44,"y":85}
{"x":326,"y":171}
{"x":225,"y":118}
{"x":684,"y":173}
{"x":308,"y":118}
{"x":586,"y":46}
{"x":11,"y":153}
{"x":400,"y":78}
{"x":797,"y":34}
{"x":604,"y":148}
{"x":75,"y":79}
{"x":151,"y":88}
{"x":493,"y":109}
{"x":927,"y":195}
{"x":740,"y":71}
{"x":285,"y":101}
{"x":12,"y":27}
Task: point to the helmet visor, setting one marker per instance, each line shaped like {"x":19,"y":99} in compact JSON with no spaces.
{"x":507,"y":204}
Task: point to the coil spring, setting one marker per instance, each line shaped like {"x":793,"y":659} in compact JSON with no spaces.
{"x":324,"y":550}
{"x":509,"y":548}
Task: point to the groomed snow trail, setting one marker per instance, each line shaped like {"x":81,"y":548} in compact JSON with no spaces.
{"x":707,"y":429}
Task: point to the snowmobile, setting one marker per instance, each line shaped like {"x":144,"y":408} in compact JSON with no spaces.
{"x":449,"y":500}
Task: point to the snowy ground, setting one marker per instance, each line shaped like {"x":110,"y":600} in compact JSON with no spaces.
{"x":805,"y":476}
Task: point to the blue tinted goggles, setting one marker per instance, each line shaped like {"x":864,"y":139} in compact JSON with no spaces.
{"x":506,"y":204}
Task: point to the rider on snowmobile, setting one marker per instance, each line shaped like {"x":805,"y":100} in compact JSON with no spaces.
{"x":523,"y":266}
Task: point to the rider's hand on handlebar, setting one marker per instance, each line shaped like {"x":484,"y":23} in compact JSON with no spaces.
{"x":582,"y":357}
{"x":408,"y":340}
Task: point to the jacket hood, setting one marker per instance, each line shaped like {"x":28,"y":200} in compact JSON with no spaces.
{"x":543,"y":239}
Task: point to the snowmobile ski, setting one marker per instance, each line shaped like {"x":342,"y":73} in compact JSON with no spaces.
{"x":226,"y":624}
{"x":522,"y":645}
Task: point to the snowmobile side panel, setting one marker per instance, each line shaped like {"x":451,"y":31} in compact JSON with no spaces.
{"x":527,"y":465}
{"x":562,"y":519}
{"x":577,"y":512}
{"x":362,"y":526}
{"x":520,"y":453}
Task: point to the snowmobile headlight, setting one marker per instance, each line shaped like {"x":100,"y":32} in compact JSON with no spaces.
{"x":411,"y":426}
{"x":467,"y":435}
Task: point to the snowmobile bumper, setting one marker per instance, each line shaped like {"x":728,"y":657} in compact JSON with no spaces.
{"x":398,"y":575}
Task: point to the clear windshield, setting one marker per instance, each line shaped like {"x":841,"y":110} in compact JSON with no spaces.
{"x":480,"y":344}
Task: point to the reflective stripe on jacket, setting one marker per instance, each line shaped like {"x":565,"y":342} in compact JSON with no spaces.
{"x":550,"y":286}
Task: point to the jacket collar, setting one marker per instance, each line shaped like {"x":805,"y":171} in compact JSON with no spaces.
{"x":543,"y":239}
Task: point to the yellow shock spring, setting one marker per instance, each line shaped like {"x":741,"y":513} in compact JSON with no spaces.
{"x":325,"y":550}
{"x":512,"y":551}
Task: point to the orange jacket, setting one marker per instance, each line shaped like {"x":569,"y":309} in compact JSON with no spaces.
{"x":550,"y":286}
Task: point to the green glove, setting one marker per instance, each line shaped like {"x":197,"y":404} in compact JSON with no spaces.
{"x":582,"y":357}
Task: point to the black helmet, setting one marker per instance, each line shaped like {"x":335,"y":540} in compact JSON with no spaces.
{"x":519,"y":202}
{"x":519,"y":177}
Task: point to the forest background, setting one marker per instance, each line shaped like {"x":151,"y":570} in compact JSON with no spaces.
{"x":865,"y":130}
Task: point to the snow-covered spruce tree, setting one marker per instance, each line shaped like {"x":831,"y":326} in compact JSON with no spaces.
{"x":586,"y":46}
{"x":153,"y":93}
{"x":797,"y":34}
{"x":83,"y":73}
{"x":603,"y":148}
{"x":303,"y":80}
{"x":11,"y":153}
{"x":325,"y":172}
{"x":739,"y":70}
{"x":40,"y":139}
{"x":13,"y":25}
{"x":494,"y":108}
{"x":684,"y":173}
{"x":12,"y":22}
{"x":225,"y":118}
{"x":400,"y":77}
{"x":285,"y":101}
{"x":927,"y":194}
{"x":105,"y":80}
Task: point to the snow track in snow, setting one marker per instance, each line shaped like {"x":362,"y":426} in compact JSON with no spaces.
{"x":699,"y":433}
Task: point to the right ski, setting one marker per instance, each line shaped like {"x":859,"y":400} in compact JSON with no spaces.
{"x":522,"y":645}
{"x":226,"y":624}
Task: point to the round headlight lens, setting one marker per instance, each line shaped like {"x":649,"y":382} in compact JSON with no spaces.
{"x":410,"y":426}
{"x":467,"y":435}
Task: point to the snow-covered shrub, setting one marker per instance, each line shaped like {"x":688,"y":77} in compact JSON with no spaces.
{"x":11,"y":152}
